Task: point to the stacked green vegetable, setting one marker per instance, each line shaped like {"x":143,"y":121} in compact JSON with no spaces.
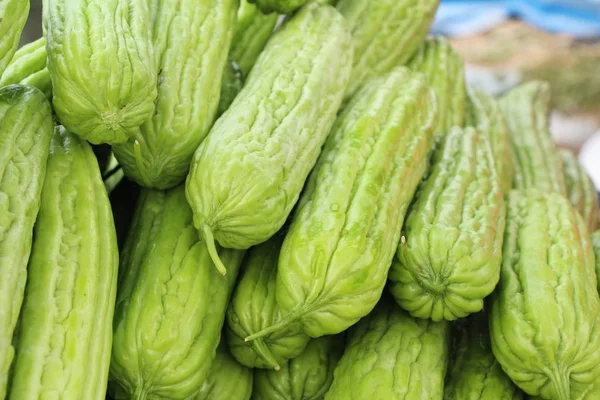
{"x":385,"y":230}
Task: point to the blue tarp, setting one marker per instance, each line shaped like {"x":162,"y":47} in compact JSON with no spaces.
{"x":578,"y":18}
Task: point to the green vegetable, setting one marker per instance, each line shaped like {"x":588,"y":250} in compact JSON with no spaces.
{"x":391,"y":355}
{"x":190,"y":70}
{"x":100,"y":61}
{"x":13,"y":15}
{"x":537,"y":163}
{"x":253,"y":307}
{"x":475,"y":374}
{"x":280,"y":6}
{"x":28,"y":67}
{"x":233,"y":81}
{"x":580,"y":188}
{"x":596,"y":247}
{"x":449,"y":257}
{"x":66,"y":320}
{"x":252,"y":32}
{"x":547,"y":281}
{"x":25,"y":132}
{"x":261,"y":146}
{"x":171,"y":302}
{"x":336,"y":256}
{"x":484,"y":113}
{"x":386,"y":33}
{"x":227,"y":379}
{"x":444,"y":69}
{"x":305,"y":377}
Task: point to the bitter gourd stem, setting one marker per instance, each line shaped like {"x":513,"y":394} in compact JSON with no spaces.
{"x":263,"y":350}
{"x":212,"y":249}
{"x":278,"y":326}
{"x":561,"y":385}
{"x":140,"y":393}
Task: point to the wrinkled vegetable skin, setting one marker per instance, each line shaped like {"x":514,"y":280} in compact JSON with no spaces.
{"x":596,"y":246}
{"x":547,"y":266}
{"x":13,"y":15}
{"x":66,"y":320}
{"x":580,"y":189}
{"x":26,"y":128}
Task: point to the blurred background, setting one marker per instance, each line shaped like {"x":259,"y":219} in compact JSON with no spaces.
{"x":505,"y":42}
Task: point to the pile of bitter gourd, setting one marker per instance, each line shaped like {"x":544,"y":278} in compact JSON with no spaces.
{"x":315,"y":206}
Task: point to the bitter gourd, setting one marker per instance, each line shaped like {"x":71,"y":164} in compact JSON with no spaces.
{"x":484,"y":113}
{"x":253,"y":30}
{"x":547,"y":281}
{"x":475,"y":374}
{"x":261,"y":145}
{"x":280,"y":6}
{"x":537,"y":163}
{"x":64,"y":342}
{"x":449,"y":257}
{"x":580,"y":189}
{"x":190,"y":70}
{"x":337,"y":253}
{"x":26,"y":127}
{"x":233,"y":81}
{"x":227,"y":379}
{"x":171,"y":302}
{"x":596,"y":246}
{"x":385,"y":33}
{"x":305,"y":377}
{"x":444,"y":69}
{"x":391,"y":355}
{"x":100,"y":61}
{"x":253,"y":307}
{"x":28,"y":67}
{"x":13,"y":15}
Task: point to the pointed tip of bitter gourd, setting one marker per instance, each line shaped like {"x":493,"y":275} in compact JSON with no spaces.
{"x":276,"y":327}
{"x":212,"y":249}
{"x":261,"y":348}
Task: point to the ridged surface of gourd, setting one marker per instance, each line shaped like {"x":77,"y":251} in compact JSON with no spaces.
{"x":484,"y":114}
{"x":385,"y":33}
{"x":28,"y":60}
{"x":280,"y":6}
{"x":253,"y":307}
{"x":547,"y":281}
{"x":65,"y":337}
{"x":171,"y":302}
{"x":391,"y":355}
{"x":227,"y":379}
{"x":475,"y":374}
{"x":580,"y":189}
{"x":26,"y":127}
{"x":335,"y":258}
{"x":305,"y":377}
{"x":190,"y":71}
{"x":252,"y":31}
{"x":100,"y":60}
{"x":537,"y":163}
{"x":13,"y":15}
{"x":449,"y":257}
{"x":596,"y":246}
{"x":444,"y":68}
{"x":266,"y":143}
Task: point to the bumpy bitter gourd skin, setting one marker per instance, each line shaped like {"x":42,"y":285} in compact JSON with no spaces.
{"x":580,"y":189}
{"x":28,"y":60}
{"x":537,"y":163}
{"x":444,"y":69}
{"x":227,"y":379}
{"x":386,"y":33}
{"x":484,"y":113}
{"x":449,"y":257}
{"x":13,"y":15}
{"x":279,"y":6}
{"x":253,"y":307}
{"x":263,"y":146}
{"x":475,"y":374}
{"x":391,"y":355}
{"x":252,"y":31}
{"x":26,"y":127}
{"x":100,"y":59}
{"x":171,"y":302}
{"x":66,"y":320}
{"x":547,"y":281}
{"x":190,"y":71}
{"x":596,"y":247}
{"x":305,"y":377}
{"x":335,"y":258}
